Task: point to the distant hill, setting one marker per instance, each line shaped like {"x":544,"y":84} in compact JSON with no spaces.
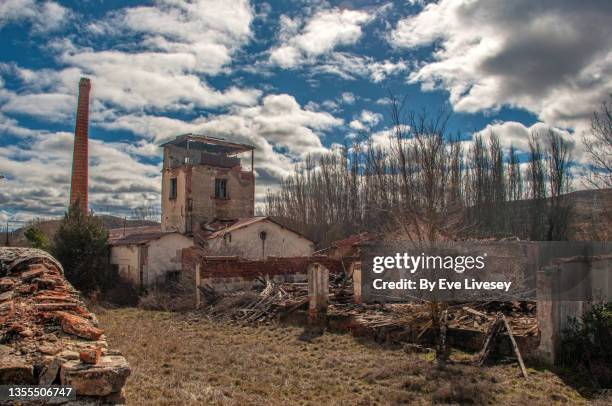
{"x":49,"y":227}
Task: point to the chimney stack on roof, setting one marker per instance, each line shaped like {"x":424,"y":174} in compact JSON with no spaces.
{"x":80,"y":158}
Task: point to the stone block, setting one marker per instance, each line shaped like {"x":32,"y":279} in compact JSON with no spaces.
{"x":15,"y":370}
{"x":106,"y":377}
{"x":78,"y":326}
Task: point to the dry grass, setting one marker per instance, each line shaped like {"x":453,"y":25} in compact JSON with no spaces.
{"x":181,"y":359}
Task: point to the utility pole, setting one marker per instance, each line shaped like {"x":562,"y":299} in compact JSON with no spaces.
{"x":7,"y":242}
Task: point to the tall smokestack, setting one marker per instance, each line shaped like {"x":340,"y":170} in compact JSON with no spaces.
{"x":80,"y":158}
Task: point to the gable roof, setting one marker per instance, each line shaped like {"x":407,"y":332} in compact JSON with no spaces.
{"x":136,"y":235}
{"x":220,"y":228}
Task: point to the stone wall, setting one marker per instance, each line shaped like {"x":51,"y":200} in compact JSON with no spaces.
{"x":47,"y":335}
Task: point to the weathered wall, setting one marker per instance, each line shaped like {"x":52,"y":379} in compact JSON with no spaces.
{"x":240,"y":186}
{"x":175,"y":211}
{"x":195,"y":202}
{"x":232,"y":273}
{"x":555,"y":285}
{"x":164,"y":255}
{"x":246,"y":242}
{"x":127,"y":258}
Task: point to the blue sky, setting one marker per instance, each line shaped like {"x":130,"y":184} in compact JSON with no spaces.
{"x":291,"y":77}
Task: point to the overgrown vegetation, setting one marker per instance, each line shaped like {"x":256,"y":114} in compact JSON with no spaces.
{"x":81,"y":245}
{"x":37,"y":238}
{"x":420,"y":178}
{"x":587,"y":346}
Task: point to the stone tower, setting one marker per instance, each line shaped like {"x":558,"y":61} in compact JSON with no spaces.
{"x":203,"y":180}
{"x":80,"y":157}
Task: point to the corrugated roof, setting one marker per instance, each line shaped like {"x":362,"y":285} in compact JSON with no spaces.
{"x":212,"y":144}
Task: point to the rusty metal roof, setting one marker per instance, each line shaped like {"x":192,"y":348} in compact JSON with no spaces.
{"x":207,"y":143}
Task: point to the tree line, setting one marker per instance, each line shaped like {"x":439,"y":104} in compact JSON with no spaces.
{"x":425,"y":183}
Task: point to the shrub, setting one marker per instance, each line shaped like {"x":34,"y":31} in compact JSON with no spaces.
{"x":80,"y":245}
{"x":173,"y":297}
{"x":37,"y":238}
{"x":586,"y":346}
{"x":121,"y":293}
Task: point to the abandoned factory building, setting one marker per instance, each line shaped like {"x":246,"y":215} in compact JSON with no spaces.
{"x":254,"y":238}
{"x":208,"y":200}
{"x":203,"y":180}
{"x":146,"y":256}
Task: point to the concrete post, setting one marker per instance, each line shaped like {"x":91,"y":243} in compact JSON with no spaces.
{"x":197,"y":286}
{"x":356,"y":281}
{"x":318,"y":292}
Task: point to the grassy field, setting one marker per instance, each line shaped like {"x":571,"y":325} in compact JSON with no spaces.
{"x":182,"y":359}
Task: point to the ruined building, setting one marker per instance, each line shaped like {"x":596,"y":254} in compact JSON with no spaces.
{"x":203,"y":180}
{"x":80,"y":159}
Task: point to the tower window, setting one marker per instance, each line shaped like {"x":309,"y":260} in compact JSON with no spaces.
{"x":173,"y":188}
{"x":220,"y":188}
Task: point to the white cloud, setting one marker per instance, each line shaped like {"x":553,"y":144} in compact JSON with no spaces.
{"x":207,"y":32}
{"x":512,"y":133}
{"x":320,"y":35}
{"x":357,"y":125}
{"x":282,"y":131}
{"x":44,"y":16}
{"x":348,"y":97}
{"x":370,"y":117}
{"x":349,"y":66}
{"x":37,"y":174}
{"x":550,"y":57}
{"x":366,"y":120}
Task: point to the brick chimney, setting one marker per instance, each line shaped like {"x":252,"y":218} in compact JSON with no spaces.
{"x":80,"y":157}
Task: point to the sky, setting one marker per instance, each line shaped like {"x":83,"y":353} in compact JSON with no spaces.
{"x":290,"y":77}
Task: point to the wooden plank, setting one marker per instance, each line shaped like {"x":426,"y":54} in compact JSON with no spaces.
{"x":516,"y":349}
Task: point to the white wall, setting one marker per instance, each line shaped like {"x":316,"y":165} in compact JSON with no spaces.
{"x":163,"y":255}
{"x":245,"y":242}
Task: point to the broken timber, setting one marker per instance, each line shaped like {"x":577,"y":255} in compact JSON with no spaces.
{"x":515,"y":347}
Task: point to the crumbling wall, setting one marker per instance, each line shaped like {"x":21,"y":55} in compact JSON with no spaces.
{"x":175,"y":211}
{"x":233,"y":273}
{"x":47,"y":335}
{"x":566,"y":290}
{"x":246,"y":242}
{"x":195,"y":201}
{"x":240,"y":189}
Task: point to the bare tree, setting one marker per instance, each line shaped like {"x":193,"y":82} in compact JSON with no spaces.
{"x":598,"y":145}
{"x":559,"y":210}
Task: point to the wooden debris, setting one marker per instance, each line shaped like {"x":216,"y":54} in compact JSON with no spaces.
{"x":515,"y":347}
{"x":489,"y":341}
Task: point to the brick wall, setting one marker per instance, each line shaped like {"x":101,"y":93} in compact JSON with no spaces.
{"x":232,"y":273}
{"x":230,"y":267}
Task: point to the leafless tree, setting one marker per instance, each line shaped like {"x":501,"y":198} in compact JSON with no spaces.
{"x":598,"y":145}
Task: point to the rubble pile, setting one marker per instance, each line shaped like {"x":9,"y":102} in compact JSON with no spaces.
{"x":272,"y":302}
{"x":47,"y":335}
{"x":468,"y":323}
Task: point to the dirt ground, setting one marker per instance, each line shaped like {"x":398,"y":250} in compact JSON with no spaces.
{"x":183,"y":359}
